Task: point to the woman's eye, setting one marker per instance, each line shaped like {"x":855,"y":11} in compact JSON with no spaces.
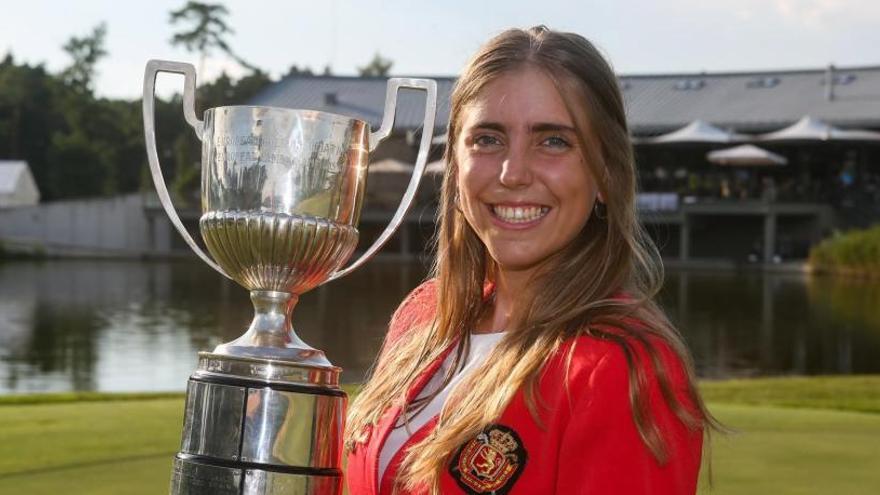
{"x":486,"y":140}
{"x":556,"y":142}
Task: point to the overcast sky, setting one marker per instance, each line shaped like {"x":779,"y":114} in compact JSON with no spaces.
{"x":436,"y":37}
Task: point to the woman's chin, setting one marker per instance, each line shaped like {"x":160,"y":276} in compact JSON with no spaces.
{"x":517,"y":262}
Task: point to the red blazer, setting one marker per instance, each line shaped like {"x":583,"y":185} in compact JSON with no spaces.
{"x":589,"y":443}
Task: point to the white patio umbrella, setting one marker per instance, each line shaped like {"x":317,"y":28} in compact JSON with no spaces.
{"x":812,"y":129}
{"x":390,"y":166}
{"x":745,"y":154}
{"x":698,"y":131}
{"x":436,"y":167}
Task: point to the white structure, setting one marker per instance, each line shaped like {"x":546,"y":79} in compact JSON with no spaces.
{"x":17,"y":185}
{"x":745,"y":154}
{"x":698,"y":131}
{"x":812,"y":129}
{"x":116,"y":227}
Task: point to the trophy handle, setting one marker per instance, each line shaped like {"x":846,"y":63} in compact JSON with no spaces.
{"x":394,"y":85}
{"x":154,"y":67}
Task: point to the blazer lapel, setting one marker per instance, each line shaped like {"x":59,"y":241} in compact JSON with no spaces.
{"x":391,"y":416}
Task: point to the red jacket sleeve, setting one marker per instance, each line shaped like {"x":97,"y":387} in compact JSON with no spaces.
{"x":601,"y":449}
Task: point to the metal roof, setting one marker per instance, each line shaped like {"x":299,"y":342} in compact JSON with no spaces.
{"x":753,"y":101}
{"x":757,"y":101}
{"x":358,"y":97}
{"x":10,"y":173}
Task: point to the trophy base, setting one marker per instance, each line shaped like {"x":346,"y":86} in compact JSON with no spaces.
{"x":195,"y":476}
{"x":259,"y":427}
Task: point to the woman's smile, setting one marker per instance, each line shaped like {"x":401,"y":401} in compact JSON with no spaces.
{"x":518,"y":215}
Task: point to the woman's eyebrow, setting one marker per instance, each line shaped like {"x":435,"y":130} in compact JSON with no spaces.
{"x":493,"y":126}
{"x":551,"y":127}
{"x":534,"y":128}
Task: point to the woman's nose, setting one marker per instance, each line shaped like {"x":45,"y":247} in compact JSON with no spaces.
{"x":515,"y":169}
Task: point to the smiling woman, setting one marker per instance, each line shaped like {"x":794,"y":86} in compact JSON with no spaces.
{"x":535,"y":359}
{"x":524,"y":187}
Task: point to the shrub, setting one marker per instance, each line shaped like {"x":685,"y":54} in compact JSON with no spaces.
{"x":856,"y":252}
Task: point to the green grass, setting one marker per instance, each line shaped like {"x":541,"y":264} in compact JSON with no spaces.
{"x":95,"y":448}
{"x":80,"y":397}
{"x":784,"y":451}
{"x":795,"y":436}
{"x":846,"y":393}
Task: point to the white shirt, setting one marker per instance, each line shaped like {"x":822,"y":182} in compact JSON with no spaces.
{"x":481,"y":344}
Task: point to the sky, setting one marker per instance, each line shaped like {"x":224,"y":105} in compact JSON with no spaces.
{"x":437,"y":37}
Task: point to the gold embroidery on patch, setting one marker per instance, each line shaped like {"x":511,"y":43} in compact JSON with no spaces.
{"x":490,"y":461}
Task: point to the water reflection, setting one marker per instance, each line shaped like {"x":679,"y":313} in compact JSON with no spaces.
{"x":753,"y":324}
{"x":82,"y":325}
{"x":90,"y":325}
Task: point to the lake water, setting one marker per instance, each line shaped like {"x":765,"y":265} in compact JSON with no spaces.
{"x":138,"y":326}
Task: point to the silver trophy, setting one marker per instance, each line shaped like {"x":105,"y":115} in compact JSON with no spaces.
{"x":281,"y":198}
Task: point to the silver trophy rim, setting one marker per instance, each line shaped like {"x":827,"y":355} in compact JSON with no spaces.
{"x":321,"y":114}
{"x":267,"y":370}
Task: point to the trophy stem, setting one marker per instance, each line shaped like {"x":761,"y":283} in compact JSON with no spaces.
{"x":271,"y":334}
{"x":271,"y":326}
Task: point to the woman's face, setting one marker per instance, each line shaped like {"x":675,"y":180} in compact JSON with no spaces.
{"x":523,"y":185}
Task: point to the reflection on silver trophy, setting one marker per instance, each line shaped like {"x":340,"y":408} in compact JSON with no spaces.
{"x":281,"y":197}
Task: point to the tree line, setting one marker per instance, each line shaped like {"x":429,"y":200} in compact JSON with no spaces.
{"x":78,"y":144}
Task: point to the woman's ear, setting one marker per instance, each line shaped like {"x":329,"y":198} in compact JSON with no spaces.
{"x":600,"y":197}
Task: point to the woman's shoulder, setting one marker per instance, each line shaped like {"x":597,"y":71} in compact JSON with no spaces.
{"x":417,"y":308}
{"x":606,"y":357}
{"x":628,"y":389}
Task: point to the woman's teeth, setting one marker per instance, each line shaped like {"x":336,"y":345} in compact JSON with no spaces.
{"x":519,"y":214}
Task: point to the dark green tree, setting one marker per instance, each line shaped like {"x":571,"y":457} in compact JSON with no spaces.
{"x":378,"y":67}
{"x":207,"y":31}
{"x":79,"y":145}
{"x":296,"y":70}
{"x":76,"y":145}
{"x":85,"y":53}
{"x":29,"y":116}
{"x":79,"y":166}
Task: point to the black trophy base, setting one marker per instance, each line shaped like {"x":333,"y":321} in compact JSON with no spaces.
{"x":194,"y":476}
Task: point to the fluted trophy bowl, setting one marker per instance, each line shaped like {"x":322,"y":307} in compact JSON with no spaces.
{"x":281,"y":198}
{"x":281,"y":194}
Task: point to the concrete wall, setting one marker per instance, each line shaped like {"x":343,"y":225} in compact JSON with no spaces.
{"x":111,"y":227}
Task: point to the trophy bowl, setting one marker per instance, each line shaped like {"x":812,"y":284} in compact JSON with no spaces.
{"x":281,"y":196}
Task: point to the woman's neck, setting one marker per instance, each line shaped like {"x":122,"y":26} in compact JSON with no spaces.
{"x":508,"y":291}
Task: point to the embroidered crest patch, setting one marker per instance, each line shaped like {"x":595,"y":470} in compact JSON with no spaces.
{"x":490,"y":463}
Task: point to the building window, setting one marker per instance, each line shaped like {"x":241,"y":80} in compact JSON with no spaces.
{"x":844,"y":79}
{"x":763,"y":82}
{"x":689,"y":84}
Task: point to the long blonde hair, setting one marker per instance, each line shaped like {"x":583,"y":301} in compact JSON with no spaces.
{"x":573,"y":295}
